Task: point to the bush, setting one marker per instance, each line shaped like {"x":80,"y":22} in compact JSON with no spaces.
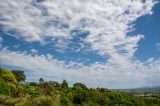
{"x":7,"y":76}
{"x":65,"y":100}
{"x":32,"y":91}
{"x":37,"y":101}
{"x":4,"y":88}
{"x":3,"y":98}
{"x":44,"y":101}
{"x":11,"y":101}
{"x":19,"y":91}
{"x":7,"y":82}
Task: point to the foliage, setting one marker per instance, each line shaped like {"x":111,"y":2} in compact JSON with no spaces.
{"x":118,"y":98}
{"x":32,"y":91}
{"x":51,"y":93}
{"x":7,"y":82}
{"x":19,"y":91}
{"x":47,"y":88}
{"x":19,"y":75}
{"x":80,"y":94}
{"x":11,"y":101}
{"x":4,"y":88}
{"x":64,"y":84}
{"x":41,"y":81}
{"x":7,"y":76}
{"x":80,"y":85}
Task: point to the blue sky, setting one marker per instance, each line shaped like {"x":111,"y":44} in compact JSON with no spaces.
{"x":148,"y":26}
{"x":115,"y":44}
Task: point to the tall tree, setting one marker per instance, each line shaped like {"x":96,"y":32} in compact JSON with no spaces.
{"x":41,"y":81}
{"x":64,"y":84}
{"x":20,"y":76}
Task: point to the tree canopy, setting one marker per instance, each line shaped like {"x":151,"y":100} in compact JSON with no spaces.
{"x":7,"y":81}
{"x":20,"y":76}
{"x":52,"y":93}
{"x":7,"y":76}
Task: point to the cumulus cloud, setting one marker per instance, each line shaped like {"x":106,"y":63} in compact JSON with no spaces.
{"x":96,"y":74}
{"x":107,"y":22}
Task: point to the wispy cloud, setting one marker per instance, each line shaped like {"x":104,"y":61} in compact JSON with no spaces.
{"x":102,"y":74}
{"x":1,"y":40}
{"x":158,"y":46}
{"x":34,"y":51}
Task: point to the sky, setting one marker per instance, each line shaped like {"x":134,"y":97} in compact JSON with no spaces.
{"x":101,"y":43}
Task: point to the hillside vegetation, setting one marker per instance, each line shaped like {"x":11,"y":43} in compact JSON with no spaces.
{"x":14,"y":91}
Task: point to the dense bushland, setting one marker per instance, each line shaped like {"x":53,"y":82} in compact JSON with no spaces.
{"x":14,"y":91}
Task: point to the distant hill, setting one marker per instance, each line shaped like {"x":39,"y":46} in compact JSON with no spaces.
{"x":141,"y":90}
{"x":152,"y":87}
{"x":147,"y":87}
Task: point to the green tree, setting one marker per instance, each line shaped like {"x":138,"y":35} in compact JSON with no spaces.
{"x":19,"y":75}
{"x":4,"y":88}
{"x":64,"y":84}
{"x":32,"y":91}
{"x":8,"y":81}
{"x":41,"y":81}
{"x":83,"y":86}
{"x":47,"y":88}
{"x":80,"y":93}
{"x":7,"y":76}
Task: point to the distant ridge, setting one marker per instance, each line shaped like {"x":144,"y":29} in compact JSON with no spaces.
{"x":146,"y":87}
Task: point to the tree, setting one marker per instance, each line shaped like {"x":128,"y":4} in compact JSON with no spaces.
{"x":41,"y":81}
{"x":80,"y":95}
{"x":7,"y":76}
{"x":80,"y":85}
{"x":47,"y":88}
{"x":7,"y":81}
{"x":19,"y":75}
{"x":64,"y":84}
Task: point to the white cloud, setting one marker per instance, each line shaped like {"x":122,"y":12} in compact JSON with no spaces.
{"x":107,"y":21}
{"x":96,"y":74}
{"x":1,"y":40}
{"x":158,"y":46}
{"x":34,"y":51}
{"x":16,"y":46}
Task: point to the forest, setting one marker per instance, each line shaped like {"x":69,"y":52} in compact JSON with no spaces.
{"x":15,"y":91}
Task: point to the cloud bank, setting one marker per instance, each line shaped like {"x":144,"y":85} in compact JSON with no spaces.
{"x":107,"y":74}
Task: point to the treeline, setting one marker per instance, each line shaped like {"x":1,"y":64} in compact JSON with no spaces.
{"x":14,"y":91}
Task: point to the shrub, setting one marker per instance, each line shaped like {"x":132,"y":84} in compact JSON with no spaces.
{"x":65,"y":100}
{"x":3,"y":98}
{"x":32,"y":91}
{"x":44,"y":101}
{"x":7,"y":76}
{"x":4,"y":88}
{"x":37,"y":101}
{"x":7,"y":82}
{"x":11,"y":101}
{"x":19,"y":91}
